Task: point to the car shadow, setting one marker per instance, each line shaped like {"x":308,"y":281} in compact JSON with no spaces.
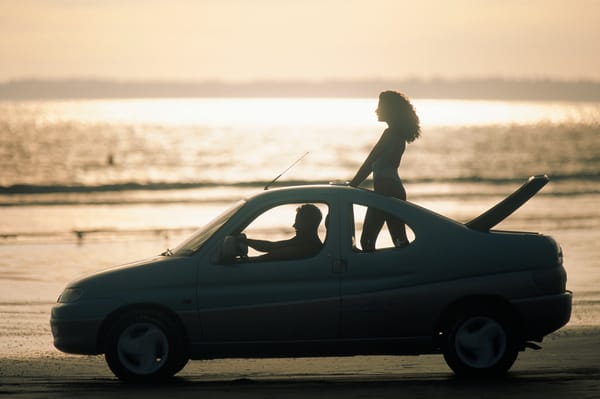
{"x":540,"y":383}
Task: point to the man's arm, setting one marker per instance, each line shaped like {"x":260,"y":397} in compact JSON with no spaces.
{"x":267,"y":246}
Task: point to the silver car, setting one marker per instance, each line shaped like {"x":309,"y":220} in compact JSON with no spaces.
{"x":476,"y":295}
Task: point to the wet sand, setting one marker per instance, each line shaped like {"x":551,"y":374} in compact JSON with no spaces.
{"x":568,"y":366}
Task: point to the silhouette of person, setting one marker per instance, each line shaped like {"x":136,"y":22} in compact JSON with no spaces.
{"x":383,"y":160}
{"x":304,"y":244}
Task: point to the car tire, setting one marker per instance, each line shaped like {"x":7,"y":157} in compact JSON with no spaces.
{"x":481,"y":344}
{"x":145,"y":347}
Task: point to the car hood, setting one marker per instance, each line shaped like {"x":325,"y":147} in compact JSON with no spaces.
{"x":147,"y":274}
{"x":507,"y":206}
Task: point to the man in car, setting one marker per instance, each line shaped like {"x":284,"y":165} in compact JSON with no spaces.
{"x":304,"y":244}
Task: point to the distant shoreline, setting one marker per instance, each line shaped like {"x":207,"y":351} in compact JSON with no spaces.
{"x":462,"y":89}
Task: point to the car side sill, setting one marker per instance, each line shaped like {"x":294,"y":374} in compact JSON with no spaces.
{"x":291,"y":348}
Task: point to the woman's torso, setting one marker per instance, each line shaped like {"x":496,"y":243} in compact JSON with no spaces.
{"x":385,"y":166}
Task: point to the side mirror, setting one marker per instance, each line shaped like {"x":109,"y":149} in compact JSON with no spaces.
{"x":233,"y":247}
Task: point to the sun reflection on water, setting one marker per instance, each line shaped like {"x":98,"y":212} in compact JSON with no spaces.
{"x":306,"y":112}
{"x":471,"y":112}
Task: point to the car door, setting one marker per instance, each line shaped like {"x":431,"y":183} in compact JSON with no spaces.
{"x":379,"y":299}
{"x":285,"y":300}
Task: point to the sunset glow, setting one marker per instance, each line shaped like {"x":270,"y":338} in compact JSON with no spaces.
{"x":238,"y":40}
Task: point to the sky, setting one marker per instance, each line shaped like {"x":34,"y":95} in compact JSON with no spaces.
{"x":248,"y":40}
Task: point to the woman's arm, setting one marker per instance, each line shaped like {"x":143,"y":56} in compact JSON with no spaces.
{"x":367,"y":167}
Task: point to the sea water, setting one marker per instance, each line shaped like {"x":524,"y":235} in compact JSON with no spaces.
{"x":88,"y":184}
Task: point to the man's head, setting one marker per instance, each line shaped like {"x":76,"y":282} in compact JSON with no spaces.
{"x":308,"y":218}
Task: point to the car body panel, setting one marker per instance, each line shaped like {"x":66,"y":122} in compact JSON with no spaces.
{"x":237,"y":302}
{"x":240,"y":302}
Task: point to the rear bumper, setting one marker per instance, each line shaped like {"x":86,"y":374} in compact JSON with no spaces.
{"x":543,"y":315}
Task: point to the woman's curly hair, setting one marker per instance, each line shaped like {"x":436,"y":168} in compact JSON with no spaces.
{"x":401,"y":111}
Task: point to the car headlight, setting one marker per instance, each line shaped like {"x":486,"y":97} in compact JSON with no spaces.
{"x":70,"y":295}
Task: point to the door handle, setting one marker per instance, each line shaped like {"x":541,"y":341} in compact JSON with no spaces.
{"x":339,"y":266}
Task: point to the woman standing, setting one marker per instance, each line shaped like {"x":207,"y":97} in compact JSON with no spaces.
{"x":383,"y":160}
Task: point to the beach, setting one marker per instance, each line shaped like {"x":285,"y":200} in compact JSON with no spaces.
{"x":568,"y":366}
{"x":87,"y":185}
{"x":30,"y":367}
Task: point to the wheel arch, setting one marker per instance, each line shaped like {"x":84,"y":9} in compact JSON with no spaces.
{"x":472,"y":303}
{"x":138,"y":308}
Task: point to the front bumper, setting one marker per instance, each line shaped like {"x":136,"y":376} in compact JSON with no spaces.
{"x":78,"y":337}
{"x":75,"y":326}
{"x":543,"y":315}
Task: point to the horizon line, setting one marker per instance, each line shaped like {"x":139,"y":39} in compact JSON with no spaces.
{"x":436,"y":88}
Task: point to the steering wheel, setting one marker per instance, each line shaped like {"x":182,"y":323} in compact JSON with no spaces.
{"x":241,"y":246}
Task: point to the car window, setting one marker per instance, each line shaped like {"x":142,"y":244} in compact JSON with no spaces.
{"x":192,"y":244}
{"x":384,"y":238}
{"x":276,"y":224}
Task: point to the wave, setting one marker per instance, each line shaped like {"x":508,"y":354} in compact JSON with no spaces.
{"x":96,"y":235}
{"x":171,"y":186}
{"x":592,"y":177}
{"x":117,"y":187}
{"x":106,"y":233}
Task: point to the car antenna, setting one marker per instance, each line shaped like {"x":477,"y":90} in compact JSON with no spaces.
{"x":288,"y":168}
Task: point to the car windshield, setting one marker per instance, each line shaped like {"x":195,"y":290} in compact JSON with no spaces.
{"x":193,"y":244}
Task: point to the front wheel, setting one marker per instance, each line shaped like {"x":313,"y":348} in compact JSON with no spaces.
{"x":145,"y":347}
{"x":481,"y":344}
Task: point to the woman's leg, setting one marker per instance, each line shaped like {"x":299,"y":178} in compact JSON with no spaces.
{"x":374,"y":219}
{"x":396,"y":227}
{"x":372,"y":225}
{"x":397,"y":230}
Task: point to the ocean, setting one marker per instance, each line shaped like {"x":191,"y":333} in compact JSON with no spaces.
{"x":88,"y":184}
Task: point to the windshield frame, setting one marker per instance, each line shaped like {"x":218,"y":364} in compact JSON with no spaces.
{"x":197,"y":240}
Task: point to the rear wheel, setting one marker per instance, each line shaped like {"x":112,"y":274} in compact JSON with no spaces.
{"x":144,"y":347}
{"x":481,"y":343}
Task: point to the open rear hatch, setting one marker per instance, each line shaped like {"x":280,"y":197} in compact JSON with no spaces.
{"x":507,"y":206}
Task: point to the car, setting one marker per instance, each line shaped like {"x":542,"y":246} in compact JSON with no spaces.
{"x":476,"y":295}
